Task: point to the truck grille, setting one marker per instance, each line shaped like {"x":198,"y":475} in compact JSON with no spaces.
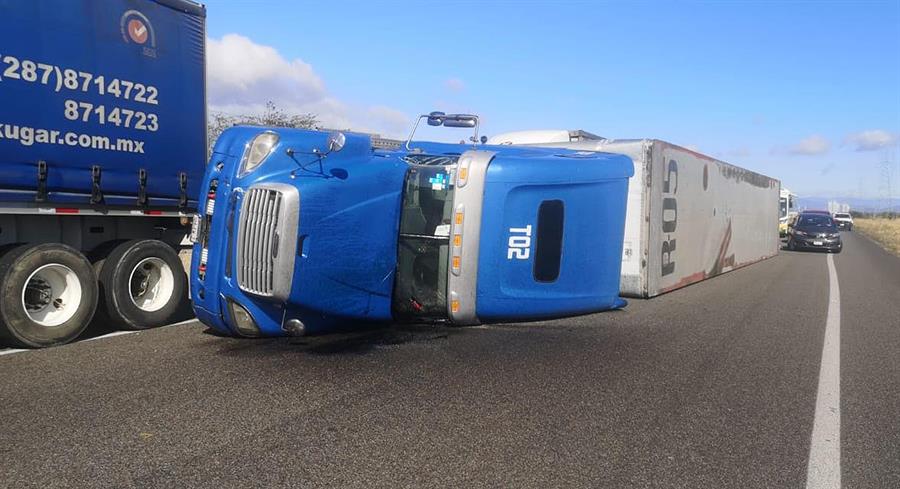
{"x":266,"y":241}
{"x":258,"y":234}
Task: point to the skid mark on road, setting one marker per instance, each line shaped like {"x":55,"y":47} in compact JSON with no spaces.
{"x":824,"y":469}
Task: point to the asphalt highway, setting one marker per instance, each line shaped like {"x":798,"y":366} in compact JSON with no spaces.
{"x":712,"y":386}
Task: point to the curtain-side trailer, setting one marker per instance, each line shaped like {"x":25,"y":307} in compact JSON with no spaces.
{"x":102,"y":148}
{"x":690,"y":216}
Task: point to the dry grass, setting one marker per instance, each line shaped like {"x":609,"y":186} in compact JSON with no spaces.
{"x":885,"y":231}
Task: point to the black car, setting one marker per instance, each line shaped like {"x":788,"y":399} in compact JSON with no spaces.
{"x":814,"y":231}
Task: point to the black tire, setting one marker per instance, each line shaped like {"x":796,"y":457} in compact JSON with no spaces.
{"x":119,"y":285}
{"x":42,"y":266}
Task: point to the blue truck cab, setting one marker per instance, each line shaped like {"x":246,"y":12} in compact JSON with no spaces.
{"x":306,"y":232}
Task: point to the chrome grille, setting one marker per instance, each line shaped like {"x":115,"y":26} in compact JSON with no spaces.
{"x":257,"y":243}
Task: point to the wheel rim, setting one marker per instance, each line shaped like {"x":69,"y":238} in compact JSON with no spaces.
{"x":51,"y":295}
{"x":151,"y":284}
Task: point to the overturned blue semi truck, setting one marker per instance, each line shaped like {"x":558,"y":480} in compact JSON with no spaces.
{"x":305,"y":232}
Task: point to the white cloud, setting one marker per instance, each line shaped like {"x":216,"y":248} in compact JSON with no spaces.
{"x":455,"y":85}
{"x":813,"y":145}
{"x":243,"y":75}
{"x":390,"y":117}
{"x":872,"y":140}
{"x":240,"y":72}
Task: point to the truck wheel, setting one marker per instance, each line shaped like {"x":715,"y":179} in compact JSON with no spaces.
{"x":48,"y":295}
{"x":143,"y":284}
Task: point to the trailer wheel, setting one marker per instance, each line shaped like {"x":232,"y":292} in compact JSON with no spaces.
{"x":48,"y":295}
{"x":143,"y":284}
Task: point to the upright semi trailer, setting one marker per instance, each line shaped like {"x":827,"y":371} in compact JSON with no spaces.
{"x":690,"y":216}
{"x":303,"y":232}
{"x":787,"y":209}
{"x":102,"y":148}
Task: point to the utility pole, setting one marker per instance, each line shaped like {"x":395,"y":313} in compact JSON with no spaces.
{"x":885,"y":190}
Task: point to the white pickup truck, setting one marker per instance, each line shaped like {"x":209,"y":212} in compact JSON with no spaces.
{"x":843,"y":220}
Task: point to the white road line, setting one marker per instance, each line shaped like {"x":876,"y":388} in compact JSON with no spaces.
{"x":179,"y":323}
{"x":108,"y":335}
{"x":10,"y":351}
{"x":824,"y":469}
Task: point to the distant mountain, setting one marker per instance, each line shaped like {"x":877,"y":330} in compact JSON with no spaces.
{"x":856,"y":204}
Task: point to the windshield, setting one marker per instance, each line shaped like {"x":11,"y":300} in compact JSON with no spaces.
{"x":842,"y":215}
{"x":784,"y":207}
{"x":816,"y":221}
{"x":420,"y":288}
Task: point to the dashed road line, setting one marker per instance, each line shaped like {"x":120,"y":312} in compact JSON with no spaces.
{"x":824,"y":467}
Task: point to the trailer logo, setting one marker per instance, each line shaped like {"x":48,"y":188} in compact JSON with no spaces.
{"x":136,"y":29}
{"x":669,"y":217}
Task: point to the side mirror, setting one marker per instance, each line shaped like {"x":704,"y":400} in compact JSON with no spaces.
{"x":336,"y":141}
{"x":446,"y":120}
{"x":436,"y":119}
{"x":460,"y":120}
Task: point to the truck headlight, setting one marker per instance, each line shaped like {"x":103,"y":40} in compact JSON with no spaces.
{"x":257,"y":151}
{"x":242,"y":319}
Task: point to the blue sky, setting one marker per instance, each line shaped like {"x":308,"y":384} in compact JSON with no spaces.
{"x":808,"y":92}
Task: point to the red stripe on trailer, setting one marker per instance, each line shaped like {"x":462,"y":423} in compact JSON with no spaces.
{"x":66,"y":210}
{"x":153,"y":213}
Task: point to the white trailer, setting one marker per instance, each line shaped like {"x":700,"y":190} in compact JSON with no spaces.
{"x":787,"y":209}
{"x":690,"y":217}
{"x":835,"y":207}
